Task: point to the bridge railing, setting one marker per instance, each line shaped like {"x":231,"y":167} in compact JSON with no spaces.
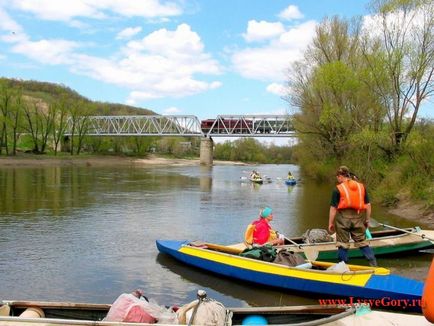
{"x":148,"y":125}
{"x":184,"y":125}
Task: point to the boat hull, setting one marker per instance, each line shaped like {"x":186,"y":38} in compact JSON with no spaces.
{"x":353,"y":286}
{"x":68,"y":313}
{"x":387,"y":242}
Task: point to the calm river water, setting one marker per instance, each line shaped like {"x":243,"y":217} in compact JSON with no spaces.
{"x":88,"y":233}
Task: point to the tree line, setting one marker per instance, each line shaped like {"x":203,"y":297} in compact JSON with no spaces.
{"x":35,"y":115}
{"x":358,"y":92}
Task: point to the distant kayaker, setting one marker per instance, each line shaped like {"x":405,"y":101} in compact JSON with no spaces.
{"x":254,"y":175}
{"x":290,"y":176}
{"x":260,"y":232}
{"x":350,"y":211}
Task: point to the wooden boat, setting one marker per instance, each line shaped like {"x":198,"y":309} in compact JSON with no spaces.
{"x":66,"y":313}
{"x":383,"y":242}
{"x":360,"y":282}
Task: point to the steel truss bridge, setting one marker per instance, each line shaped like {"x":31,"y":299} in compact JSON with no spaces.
{"x":187,"y":125}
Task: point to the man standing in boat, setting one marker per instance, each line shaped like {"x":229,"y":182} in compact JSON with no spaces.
{"x":350,"y":211}
{"x":259,"y":232}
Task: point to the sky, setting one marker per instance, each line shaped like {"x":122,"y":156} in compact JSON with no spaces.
{"x":176,"y":57}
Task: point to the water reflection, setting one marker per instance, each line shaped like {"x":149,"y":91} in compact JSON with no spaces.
{"x":29,"y":190}
{"x":230,"y":291}
{"x":88,"y":233}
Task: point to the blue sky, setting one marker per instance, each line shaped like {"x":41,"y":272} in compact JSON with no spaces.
{"x":186,"y":57}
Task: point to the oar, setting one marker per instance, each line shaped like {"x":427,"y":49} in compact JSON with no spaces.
{"x":310,"y":252}
{"x":373,"y":223}
{"x":217,"y":247}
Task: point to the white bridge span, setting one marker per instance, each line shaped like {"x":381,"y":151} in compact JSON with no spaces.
{"x":184,"y":125}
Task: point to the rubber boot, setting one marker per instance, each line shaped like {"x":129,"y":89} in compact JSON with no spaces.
{"x":369,"y":254}
{"x":343,"y":255}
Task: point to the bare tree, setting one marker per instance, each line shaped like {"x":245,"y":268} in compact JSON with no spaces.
{"x":6,"y":95}
{"x":60,"y":108}
{"x":78,"y":123}
{"x":401,"y":59}
{"x":40,"y":119}
{"x":15,"y":119}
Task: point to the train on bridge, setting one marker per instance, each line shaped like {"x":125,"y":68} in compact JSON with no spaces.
{"x":244,"y":126}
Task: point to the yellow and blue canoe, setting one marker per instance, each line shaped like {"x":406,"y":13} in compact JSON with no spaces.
{"x":360,"y":283}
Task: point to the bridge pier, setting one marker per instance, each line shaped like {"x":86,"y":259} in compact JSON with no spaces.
{"x":206,"y":151}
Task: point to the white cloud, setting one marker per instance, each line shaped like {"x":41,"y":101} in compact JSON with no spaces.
{"x":272,"y":61}
{"x":299,"y":36}
{"x":258,"y":31}
{"x":7,"y":23}
{"x":52,"y":52}
{"x":67,"y":10}
{"x":162,"y":64}
{"x":171,"y":110}
{"x":57,"y":10}
{"x":277,"y":89}
{"x":129,"y":32}
{"x":373,"y":24}
{"x":172,"y":88}
{"x":291,"y":12}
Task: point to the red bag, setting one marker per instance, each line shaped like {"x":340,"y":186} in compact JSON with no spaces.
{"x":128,"y":308}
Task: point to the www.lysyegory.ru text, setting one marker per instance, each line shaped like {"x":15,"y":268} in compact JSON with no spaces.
{"x":375,"y":303}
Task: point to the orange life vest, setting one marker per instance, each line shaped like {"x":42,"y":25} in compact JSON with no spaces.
{"x":259,"y":232}
{"x":352,"y":195}
{"x":428,"y":295}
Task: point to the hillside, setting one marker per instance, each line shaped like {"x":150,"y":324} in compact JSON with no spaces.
{"x":49,"y":92}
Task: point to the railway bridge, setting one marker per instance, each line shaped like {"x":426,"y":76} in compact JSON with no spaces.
{"x":186,"y":125}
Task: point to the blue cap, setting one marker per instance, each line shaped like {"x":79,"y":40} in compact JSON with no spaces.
{"x":266,"y":212}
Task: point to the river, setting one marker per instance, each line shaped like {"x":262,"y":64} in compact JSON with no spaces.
{"x":87,"y":234}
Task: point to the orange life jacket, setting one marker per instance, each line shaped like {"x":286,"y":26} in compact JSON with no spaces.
{"x":259,"y":232}
{"x":352,"y":195}
{"x":428,"y":295}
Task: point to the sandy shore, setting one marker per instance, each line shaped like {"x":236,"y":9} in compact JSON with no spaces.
{"x":35,"y":160}
{"x":405,"y":209}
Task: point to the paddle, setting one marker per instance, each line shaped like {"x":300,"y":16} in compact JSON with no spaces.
{"x":373,"y":223}
{"x":217,"y":247}
{"x":310,"y":252}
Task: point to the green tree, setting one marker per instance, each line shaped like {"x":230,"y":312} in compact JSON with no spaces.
{"x":333,"y":104}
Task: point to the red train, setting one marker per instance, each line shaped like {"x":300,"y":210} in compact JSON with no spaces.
{"x":236,"y":126}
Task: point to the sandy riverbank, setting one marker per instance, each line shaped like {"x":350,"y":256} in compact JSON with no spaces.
{"x":40,"y":160}
{"x":414,"y":212}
